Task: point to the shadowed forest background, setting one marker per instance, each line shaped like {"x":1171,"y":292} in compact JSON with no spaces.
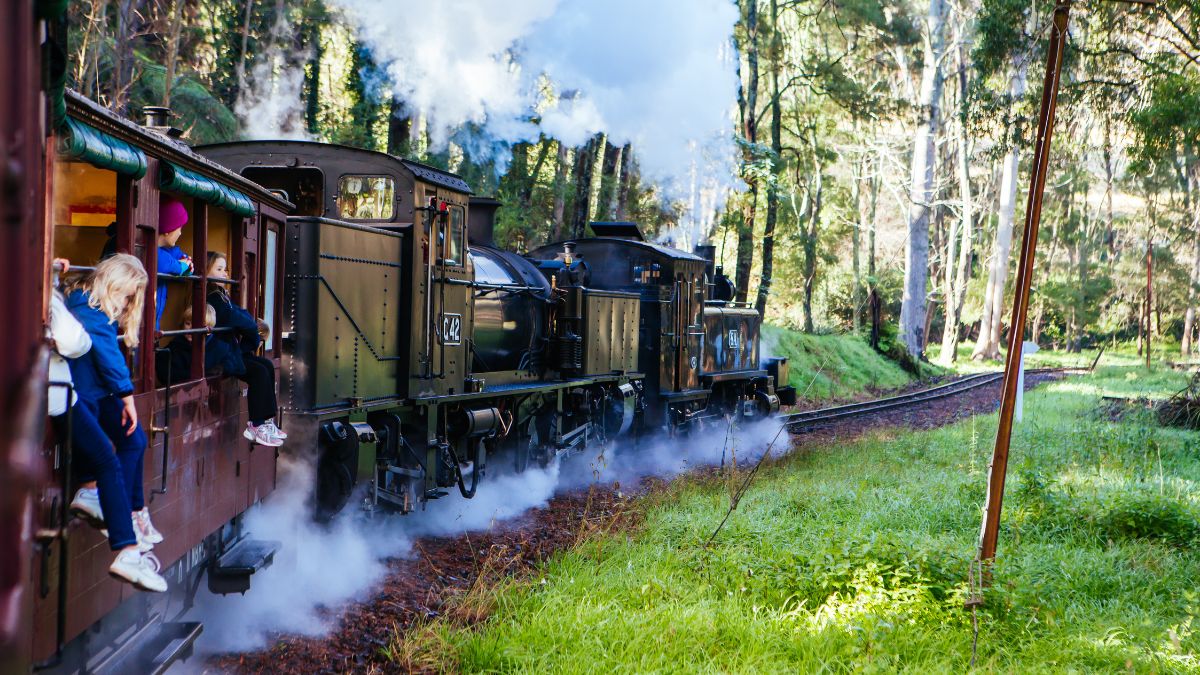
{"x":880,"y":146}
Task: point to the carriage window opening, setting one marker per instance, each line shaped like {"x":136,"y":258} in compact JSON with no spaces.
{"x":366,"y":197}
{"x":305,"y":185}
{"x":452,"y":250}
{"x":268,"y":304}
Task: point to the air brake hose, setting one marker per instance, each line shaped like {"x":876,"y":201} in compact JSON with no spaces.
{"x":475,"y":468}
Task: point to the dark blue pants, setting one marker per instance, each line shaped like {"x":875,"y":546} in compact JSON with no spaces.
{"x":131,"y":448}
{"x":93,"y":456}
{"x":260,"y":399}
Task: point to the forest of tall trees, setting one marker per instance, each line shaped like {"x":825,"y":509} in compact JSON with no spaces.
{"x":883,"y":150}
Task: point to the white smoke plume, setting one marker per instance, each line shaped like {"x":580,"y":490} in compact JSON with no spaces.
{"x":320,"y":568}
{"x":270,"y":104}
{"x":660,"y":75}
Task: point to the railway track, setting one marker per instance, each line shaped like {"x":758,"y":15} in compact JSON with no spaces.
{"x":814,"y":419}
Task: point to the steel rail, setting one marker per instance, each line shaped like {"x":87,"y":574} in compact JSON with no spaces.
{"x":811,"y":418}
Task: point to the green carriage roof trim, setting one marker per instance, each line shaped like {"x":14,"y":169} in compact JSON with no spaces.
{"x":160,"y":147}
{"x":173,"y":178}
{"x":84,"y":143}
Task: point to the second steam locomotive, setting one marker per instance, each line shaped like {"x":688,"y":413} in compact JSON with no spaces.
{"x":416,"y":351}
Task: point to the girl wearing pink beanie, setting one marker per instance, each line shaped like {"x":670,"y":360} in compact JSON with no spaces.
{"x":172,"y":216}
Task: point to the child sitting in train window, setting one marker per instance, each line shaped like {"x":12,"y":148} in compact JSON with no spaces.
{"x":108,"y":302}
{"x":244,"y":339}
{"x":174,"y":366}
{"x":74,"y":420}
{"x":172,"y":216}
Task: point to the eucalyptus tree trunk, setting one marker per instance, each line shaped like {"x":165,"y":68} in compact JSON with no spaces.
{"x":172,"y":61}
{"x":1190,"y":203}
{"x":584,"y":159}
{"x":128,"y":28}
{"x":956,"y":285}
{"x":748,"y":109}
{"x":988,"y":345}
{"x":614,"y":188}
{"x":916,"y":247}
{"x":400,"y":123}
{"x":562,"y":170}
{"x":531,"y":177}
{"x":810,"y":229}
{"x":768,"y":244}
{"x":244,"y":55}
{"x":860,"y":203}
{"x":599,"y":153}
{"x":624,"y":183}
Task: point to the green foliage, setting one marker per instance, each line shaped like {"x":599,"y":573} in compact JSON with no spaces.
{"x":1151,"y":516}
{"x":201,"y":115}
{"x":853,"y":558}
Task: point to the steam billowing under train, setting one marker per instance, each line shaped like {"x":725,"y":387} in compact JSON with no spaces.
{"x":416,"y":352}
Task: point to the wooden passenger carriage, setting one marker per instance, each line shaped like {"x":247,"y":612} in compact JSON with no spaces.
{"x":107,"y":175}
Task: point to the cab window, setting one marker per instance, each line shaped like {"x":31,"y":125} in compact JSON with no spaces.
{"x":366,"y":197}
{"x":452,"y":251}
{"x":303,"y":186}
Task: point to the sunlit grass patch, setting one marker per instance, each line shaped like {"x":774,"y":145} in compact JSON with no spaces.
{"x":855,"y":558}
{"x":832,"y":366}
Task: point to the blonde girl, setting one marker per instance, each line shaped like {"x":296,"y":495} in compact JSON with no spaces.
{"x":109,"y":304}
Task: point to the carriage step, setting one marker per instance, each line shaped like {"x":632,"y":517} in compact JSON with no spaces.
{"x":232,"y":571}
{"x":154,"y":650}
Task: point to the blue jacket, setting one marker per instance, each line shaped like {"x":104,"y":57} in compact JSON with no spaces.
{"x":102,"y":370}
{"x":220,"y":359}
{"x":245,"y":328}
{"x":170,"y":261}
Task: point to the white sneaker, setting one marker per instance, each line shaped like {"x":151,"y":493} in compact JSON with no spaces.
{"x":87,"y":504}
{"x":144,"y":528}
{"x":135,"y":567}
{"x":261,"y":435}
{"x":275,"y":431}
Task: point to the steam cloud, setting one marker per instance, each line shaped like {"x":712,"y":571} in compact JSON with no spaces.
{"x":269,"y":105}
{"x":660,"y":75}
{"x":320,"y":567}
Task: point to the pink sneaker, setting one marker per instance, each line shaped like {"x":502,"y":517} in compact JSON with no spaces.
{"x":261,"y":435}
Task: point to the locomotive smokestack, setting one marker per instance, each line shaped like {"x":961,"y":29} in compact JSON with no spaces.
{"x":481,"y":224}
{"x":709,"y":253}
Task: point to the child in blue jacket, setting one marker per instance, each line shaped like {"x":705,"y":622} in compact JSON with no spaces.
{"x":259,"y":372}
{"x":220,"y":359}
{"x":172,"y":216}
{"x":109,"y":300}
{"x":104,"y":501}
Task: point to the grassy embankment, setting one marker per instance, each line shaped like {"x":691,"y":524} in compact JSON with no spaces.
{"x":855,"y":558}
{"x":824,"y":367}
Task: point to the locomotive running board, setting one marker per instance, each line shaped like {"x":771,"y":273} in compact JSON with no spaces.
{"x":153,"y":649}
{"x":232,"y":571}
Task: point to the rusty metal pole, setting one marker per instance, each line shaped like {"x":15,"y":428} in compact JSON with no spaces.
{"x":1016,"y":333}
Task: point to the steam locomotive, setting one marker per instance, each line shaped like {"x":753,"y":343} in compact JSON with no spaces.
{"x":415,"y":349}
{"x":412,"y":351}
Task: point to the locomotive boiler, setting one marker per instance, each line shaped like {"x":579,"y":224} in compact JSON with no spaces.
{"x":416,"y":351}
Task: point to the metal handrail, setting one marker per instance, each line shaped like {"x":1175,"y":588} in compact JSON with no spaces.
{"x":194,"y":331}
{"x":196,"y":277}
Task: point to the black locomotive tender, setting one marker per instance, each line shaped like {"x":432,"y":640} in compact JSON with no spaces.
{"x":414,"y":348}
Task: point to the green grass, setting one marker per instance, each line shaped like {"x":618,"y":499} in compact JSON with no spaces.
{"x":854,"y":558}
{"x":1121,"y":355}
{"x":825,"y":367}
